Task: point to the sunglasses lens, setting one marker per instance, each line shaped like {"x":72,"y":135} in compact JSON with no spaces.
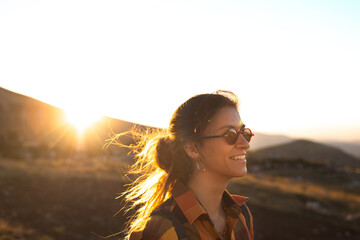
{"x":247,"y":134}
{"x":232,"y":136}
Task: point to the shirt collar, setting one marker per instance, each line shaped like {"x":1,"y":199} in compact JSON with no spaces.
{"x":239,"y":200}
{"x":190,"y":205}
{"x":232,"y":204}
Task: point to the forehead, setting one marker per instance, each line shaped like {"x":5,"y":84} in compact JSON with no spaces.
{"x":226,"y":116}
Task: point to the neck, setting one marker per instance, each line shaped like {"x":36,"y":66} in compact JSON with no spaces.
{"x":209,"y":190}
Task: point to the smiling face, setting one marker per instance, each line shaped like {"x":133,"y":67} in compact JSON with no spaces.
{"x":220,"y":158}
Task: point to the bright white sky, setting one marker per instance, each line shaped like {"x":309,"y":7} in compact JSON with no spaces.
{"x":294,"y":64}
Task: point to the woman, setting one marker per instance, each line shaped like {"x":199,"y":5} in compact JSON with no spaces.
{"x":184,"y":171}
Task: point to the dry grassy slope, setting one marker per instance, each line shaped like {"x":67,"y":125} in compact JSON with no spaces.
{"x":69,"y":199}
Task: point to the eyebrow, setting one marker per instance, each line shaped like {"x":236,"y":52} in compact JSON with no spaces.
{"x":232,"y":126}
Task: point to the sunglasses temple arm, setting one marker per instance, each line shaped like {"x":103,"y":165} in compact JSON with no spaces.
{"x":212,"y":136}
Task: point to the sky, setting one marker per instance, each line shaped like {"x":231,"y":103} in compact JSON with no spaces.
{"x":293,"y":64}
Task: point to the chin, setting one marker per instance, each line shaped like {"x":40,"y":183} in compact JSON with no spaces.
{"x":241,"y":173}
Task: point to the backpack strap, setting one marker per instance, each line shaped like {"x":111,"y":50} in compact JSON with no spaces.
{"x":245,"y":212}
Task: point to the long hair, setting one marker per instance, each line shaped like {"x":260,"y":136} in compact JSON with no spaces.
{"x":161,"y":158}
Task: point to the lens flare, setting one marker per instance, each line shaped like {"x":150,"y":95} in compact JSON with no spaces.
{"x":81,"y":120}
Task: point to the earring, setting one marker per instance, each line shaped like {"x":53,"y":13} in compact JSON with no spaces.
{"x":200,"y":166}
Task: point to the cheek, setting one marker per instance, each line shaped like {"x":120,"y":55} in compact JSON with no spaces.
{"x":216,"y":152}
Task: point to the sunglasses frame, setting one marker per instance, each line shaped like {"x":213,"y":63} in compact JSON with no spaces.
{"x":226,"y":135}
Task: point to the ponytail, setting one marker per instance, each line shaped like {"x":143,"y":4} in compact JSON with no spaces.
{"x":159,"y":162}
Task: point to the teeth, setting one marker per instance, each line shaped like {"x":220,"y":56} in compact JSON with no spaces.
{"x":238,"y":157}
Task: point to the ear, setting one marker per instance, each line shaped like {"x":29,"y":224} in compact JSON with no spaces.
{"x":191,"y":150}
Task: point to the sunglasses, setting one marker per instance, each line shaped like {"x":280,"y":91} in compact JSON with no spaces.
{"x":232,"y":135}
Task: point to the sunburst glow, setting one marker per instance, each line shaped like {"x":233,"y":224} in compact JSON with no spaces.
{"x":81,"y":120}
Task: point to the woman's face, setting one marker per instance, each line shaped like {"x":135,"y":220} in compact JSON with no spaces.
{"x":221,"y":158}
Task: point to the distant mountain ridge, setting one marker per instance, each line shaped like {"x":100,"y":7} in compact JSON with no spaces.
{"x":308,"y":151}
{"x":40,"y":127}
{"x":352,"y":148}
{"x":262,"y":140}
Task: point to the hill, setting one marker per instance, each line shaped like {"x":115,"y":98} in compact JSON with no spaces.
{"x":268,"y":140}
{"x":262,"y":140}
{"x":352,"y":148}
{"x":30,"y":129}
{"x":307,"y":151}
{"x":308,"y":163}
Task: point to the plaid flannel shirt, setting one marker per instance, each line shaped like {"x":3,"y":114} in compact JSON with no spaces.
{"x":197,"y":223}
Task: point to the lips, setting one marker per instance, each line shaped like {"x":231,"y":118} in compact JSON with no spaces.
{"x":240,"y":157}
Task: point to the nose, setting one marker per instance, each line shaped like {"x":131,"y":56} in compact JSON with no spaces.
{"x":242,"y":143}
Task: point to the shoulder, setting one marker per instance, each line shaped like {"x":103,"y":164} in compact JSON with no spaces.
{"x":159,"y":226}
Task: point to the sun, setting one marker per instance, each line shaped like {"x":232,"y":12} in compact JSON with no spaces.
{"x":81,"y":120}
